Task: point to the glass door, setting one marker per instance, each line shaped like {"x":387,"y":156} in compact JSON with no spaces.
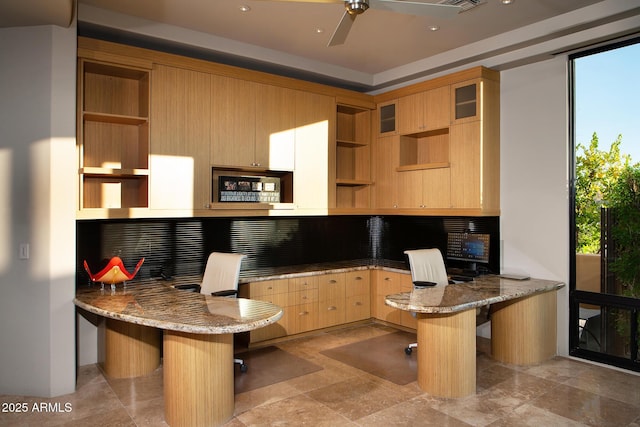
{"x":605,"y":270}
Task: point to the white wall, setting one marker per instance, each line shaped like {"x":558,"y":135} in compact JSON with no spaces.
{"x":534,"y":176}
{"x":37,"y":192}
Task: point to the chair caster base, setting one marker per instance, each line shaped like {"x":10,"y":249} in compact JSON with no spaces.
{"x":408,"y":351}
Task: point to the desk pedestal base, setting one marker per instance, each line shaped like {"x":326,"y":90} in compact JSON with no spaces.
{"x":523,"y":331}
{"x":130,"y":350}
{"x":447,"y":353}
{"x":198,"y":379}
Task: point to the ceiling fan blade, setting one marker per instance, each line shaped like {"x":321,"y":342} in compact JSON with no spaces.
{"x":416,"y":8}
{"x":311,"y":1}
{"x":342,"y":30}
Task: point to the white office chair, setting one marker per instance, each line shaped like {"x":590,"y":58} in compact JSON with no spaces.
{"x":427,"y":265}
{"x":221,"y":279}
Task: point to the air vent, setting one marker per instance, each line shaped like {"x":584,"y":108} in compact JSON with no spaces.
{"x":464,"y":4}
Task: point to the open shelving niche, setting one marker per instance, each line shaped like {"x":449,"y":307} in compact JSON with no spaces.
{"x":114,"y":136}
{"x":424,"y":150}
{"x":353,"y":157}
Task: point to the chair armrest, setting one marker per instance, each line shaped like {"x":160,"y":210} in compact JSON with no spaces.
{"x":423,"y":284}
{"x":191,"y":287}
{"x":226,"y":293}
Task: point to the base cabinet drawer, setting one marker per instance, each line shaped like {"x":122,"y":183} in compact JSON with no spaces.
{"x":302,"y":318}
{"x":358,"y":307}
{"x":312,"y":302}
{"x":387,"y":283}
{"x":331,"y":313}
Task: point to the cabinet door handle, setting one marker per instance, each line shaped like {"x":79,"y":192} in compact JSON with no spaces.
{"x":304,"y":297}
{"x":388,"y":279}
{"x":358,"y":303}
{"x":332,"y":308}
{"x":358,"y":278}
{"x":332,"y":281}
{"x":303,"y":313}
{"x":270,"y":288}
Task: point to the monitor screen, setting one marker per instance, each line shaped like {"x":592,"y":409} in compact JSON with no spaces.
{"x":472,"y":247}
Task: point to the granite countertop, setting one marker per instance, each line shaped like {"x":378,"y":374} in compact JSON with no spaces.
{"x":157,"y":304}
{"x":456,"y":297}
{"x":302,"y":270}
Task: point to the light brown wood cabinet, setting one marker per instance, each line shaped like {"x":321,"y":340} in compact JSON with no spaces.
{"x":475,"y":146}
{"x":311,"y":302}
{"x":386,"y":283}
{"x":353,"y":157}
{"x":448,"y":158}
{"x":332,"y":300}
{"x":144,"y":122}
{"x":357,"y":296}
{"x":275,"y":292}
{"x":252,"y":124}
{"x":180,"y":134}
{"x":387,"y":118}
{"x":275,"y":127}
{"x":314,"y":185}
{"x":386,"y":159}
{"x":423,"y":111}
{"x":427,"y":188}
{"x":113,"y":133}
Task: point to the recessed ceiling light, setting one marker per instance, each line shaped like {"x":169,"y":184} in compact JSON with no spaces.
{"x":433,"y":28}
{"x":506,"y":1}
{"x":319,"y":30}
{"x":244,"y":8}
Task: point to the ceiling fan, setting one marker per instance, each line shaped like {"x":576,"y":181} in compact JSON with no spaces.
{"x":354,"y":8}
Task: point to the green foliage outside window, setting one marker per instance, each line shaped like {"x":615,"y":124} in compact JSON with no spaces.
{"x":597,"y":172}
{"x":624,"y":199}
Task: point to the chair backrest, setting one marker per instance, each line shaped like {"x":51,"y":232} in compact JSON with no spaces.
{"x":427,"y":265}
{"x":221,"y":272}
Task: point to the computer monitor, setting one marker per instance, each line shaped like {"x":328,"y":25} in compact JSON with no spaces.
{"x":469,"y":247}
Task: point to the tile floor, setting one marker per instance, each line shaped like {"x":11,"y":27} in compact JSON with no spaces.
{"x":560,"y":392}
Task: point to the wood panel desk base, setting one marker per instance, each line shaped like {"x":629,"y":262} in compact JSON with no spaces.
{"x":523,"y":330}
{"x":130,"y":350}
{"x":198,"y":379}
{"x":447,"y":353}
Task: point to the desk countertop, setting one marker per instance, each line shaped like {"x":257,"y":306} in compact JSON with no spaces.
{"x":456,"y":297}
{"x":155,"y":303}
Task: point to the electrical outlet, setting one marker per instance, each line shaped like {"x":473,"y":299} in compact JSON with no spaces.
{"x":24,"y":251}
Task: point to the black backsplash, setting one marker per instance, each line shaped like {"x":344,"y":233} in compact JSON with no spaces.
{"x":181,"y":246}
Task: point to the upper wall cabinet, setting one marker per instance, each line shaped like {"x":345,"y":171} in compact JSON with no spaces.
{"x":180,"y":135}
{"x":252,"y":125}
{"x":448,"y":147}
{"x":424,"y":111}
{"x":315,"y":152}
{"x":275,"y":127}
{"x":386,"y":115}
{"x":233,"y":114}
{"x":113,"y":135}
{"x":465,"y":102}
{"x":386,"y":159}
{"x":353,"y":156}
{"x":475,"y":150}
